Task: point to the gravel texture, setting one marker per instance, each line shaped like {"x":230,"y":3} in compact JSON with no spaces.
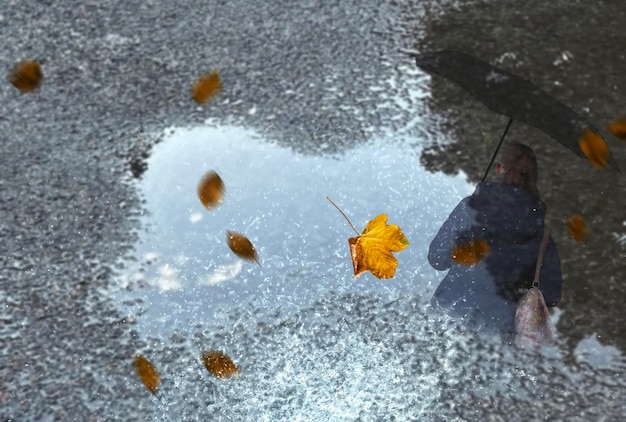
{"x":115,"y":73}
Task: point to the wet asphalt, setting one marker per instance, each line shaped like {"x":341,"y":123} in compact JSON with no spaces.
{"x":118,"y":72}
{"x":574,"y":51}
{"x":115,"y":74}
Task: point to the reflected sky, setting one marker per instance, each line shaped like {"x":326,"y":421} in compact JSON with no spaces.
{"x":314,"y":343}
{"x":185,"y":272}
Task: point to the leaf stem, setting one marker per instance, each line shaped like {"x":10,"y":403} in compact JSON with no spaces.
{"x":344,"y":215}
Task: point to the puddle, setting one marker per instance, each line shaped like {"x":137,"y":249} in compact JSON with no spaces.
{"x":185,"y":272}
{"x":312,"y":342}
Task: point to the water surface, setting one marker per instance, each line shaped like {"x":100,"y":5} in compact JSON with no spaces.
{"x":312,"y":342}
{"x":277,"y":198}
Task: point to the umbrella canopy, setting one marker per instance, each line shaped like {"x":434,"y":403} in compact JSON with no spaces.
{"x":513,"y":96}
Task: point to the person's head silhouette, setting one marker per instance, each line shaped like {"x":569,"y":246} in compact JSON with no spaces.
{"x":518,"y":167}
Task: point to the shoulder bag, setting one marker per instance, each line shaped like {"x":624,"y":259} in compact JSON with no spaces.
{"x":533,"y":327}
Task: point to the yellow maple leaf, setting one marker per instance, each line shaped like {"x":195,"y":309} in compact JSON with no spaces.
{"x":372,"y":249}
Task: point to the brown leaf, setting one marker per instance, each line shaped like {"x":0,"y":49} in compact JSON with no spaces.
{"x":618,"y":128}
{"x":211,"y":190}
{"x":576,"y":227}
{"x":241,"y":246}
{"x":371,"y":250}
{"x":26,"y":76}
{"x":147,"y":373}
{"x":470,"y":252}
{"x":219,"y":365}
{"x":206,"y":87}
{"x":595,"y":149}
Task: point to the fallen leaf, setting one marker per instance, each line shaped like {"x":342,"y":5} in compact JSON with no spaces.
{"x":206,"y":87}
{"x":26,"y":76}
{"x":241,"y":246}
{"x":371,"y":250}
{"x":147,"y":373}
{"x":595,"y":149}
{"x":219,"y":365}
{"x":576,"y":227}
{"x":211,"y":190}
{"x":470,"y":252}
{"x":618,"y":128}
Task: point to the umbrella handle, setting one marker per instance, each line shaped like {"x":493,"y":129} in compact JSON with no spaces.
{"x":495,"y":153}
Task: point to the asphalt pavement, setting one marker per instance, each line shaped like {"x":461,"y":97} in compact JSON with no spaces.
{"x":314,"y":76}
{"x":117,"y":73}
{"x":552,"y":46}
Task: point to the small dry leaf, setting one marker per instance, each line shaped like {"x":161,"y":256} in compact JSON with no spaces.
{"x":371,"y":250}
{"x":576,"y":227}
{"x":241,"y":246}
{"x":219,"y":365}
{"x":595,"y":149}
{"x":26,"y":76}
{"x":147,"y":373}
{"x":470,"y":252}
{"x":206,"y":87}
{"x":618,"y":128}
{"x":211,"y":190}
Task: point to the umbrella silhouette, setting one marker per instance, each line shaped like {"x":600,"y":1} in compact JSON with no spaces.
{"x":512,"y":96}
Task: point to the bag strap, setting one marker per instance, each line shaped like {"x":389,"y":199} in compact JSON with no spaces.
{"x":542,"y":250}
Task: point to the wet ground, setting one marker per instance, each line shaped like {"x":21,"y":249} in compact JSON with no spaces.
{"x":184,"y":272}
{"x":573,"y":51}
{"x":321,"y":80}
{"x":312,"y":342}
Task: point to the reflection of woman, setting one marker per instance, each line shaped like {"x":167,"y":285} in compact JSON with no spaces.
{"x":508,"y":214}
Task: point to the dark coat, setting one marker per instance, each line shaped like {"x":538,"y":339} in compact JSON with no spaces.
{"x":511,"y":221}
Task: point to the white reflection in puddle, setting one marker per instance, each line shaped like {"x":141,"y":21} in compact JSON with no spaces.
{"x":223,"y":273}
{"x":590,"y":350}
{"x":278,"y":200}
